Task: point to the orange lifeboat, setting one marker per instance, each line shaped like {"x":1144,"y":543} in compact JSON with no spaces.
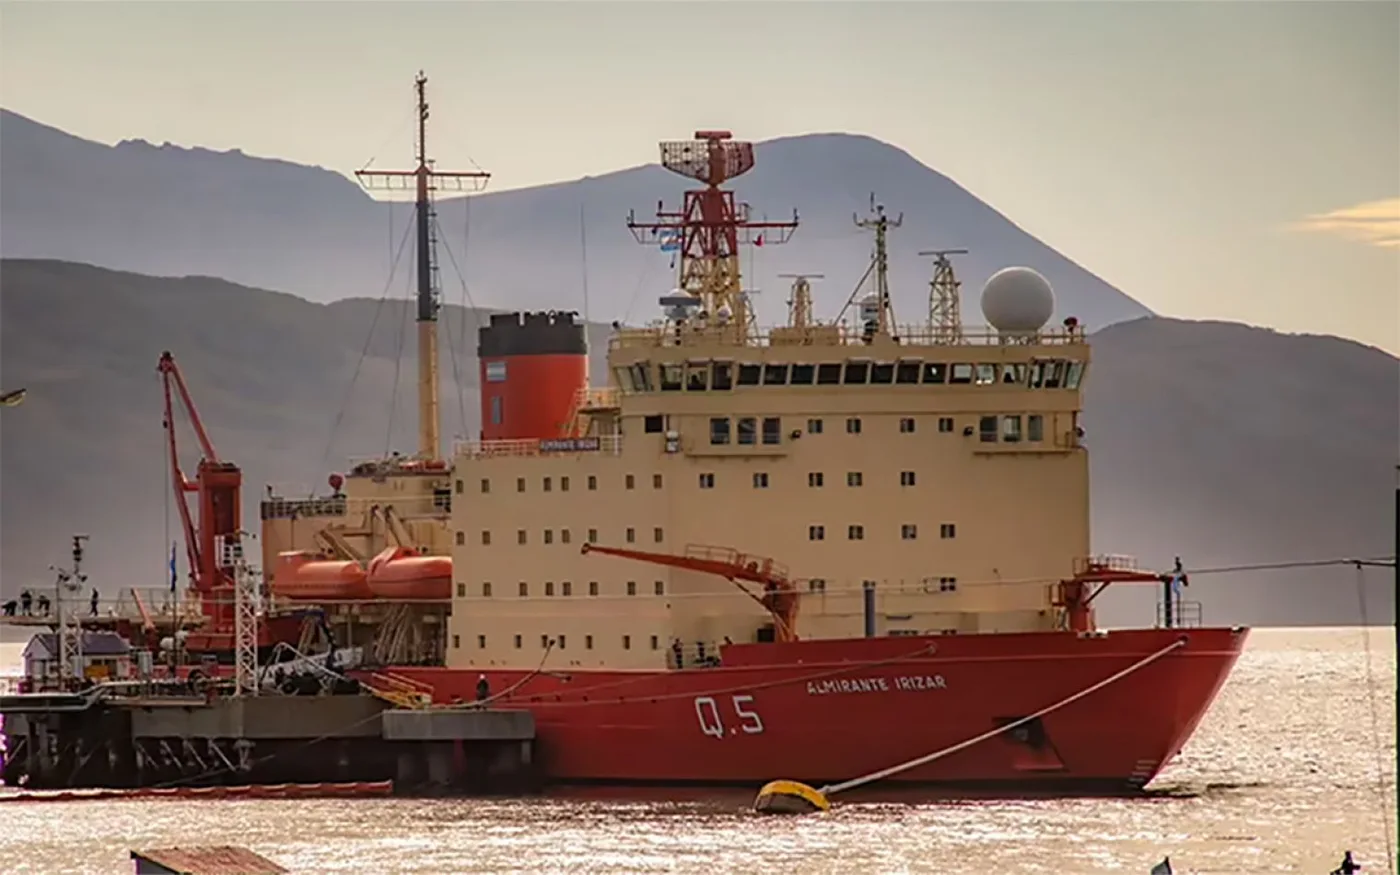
{"x":402,"y":574}
{"x":301,"y":576}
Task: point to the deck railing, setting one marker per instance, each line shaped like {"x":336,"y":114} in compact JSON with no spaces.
{"x":834,"y":335}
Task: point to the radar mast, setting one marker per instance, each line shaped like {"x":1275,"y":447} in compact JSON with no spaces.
{"x":944,"y":303}
{"x":709,"y":227}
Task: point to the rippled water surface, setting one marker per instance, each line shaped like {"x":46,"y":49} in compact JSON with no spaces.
{"x":1284,"y":773}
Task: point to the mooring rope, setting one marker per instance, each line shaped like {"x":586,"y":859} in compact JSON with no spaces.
{"x":939,"y":754}
{"x":1375,"y":720}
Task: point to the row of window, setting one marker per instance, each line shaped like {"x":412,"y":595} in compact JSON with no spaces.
{"x":1007,"y":428}
{"x":746,"y":430}
{"x":907,"y":532}
{"x":722,"y":376}
{"x":559,"y":641}
{"x":565,"y":588}
{"x":562,"y":536}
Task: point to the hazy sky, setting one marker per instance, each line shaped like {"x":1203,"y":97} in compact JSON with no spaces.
{"x":1214,"y":160}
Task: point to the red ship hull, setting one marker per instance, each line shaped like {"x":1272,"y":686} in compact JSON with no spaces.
{"x":825,"y":711}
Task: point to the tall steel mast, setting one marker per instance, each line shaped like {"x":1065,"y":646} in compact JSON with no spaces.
{"x":425,"y":180}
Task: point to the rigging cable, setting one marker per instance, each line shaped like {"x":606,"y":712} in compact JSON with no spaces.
{"x":1375,"y":719}
{"x":467,"y":305}
{"x":401,"y":333}
{"x":364,"y":351}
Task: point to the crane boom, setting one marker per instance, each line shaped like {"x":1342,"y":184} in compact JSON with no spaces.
{"x":779,"y":595}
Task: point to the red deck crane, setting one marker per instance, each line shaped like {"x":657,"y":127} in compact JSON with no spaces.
{"x":1076,"y":595}
{"x":779,"y":596}
{"x":217,"y":485}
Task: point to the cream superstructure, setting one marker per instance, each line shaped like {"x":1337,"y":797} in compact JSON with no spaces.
{"x":947,"y":476}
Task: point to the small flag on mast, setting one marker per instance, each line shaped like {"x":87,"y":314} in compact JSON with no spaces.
{"x":1162,"y":868}
{"x":174,"y":575}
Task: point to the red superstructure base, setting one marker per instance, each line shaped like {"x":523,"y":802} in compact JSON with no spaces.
{"x":827,"y":711}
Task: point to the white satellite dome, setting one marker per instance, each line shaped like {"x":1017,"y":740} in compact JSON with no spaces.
{"x":1017,"y":300}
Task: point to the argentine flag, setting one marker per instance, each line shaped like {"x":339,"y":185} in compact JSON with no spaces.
{"x":670,"y":241}
{"x":174,"y":576}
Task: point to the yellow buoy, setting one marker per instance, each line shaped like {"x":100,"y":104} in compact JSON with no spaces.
{"x":790,"y":797}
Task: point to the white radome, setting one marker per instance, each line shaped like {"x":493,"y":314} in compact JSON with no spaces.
{"x":1017,"y":300}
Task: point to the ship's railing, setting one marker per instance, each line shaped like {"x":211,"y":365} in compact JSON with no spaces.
{"x":1106,"y":561}
{"x":833,"y":335}
{"x":606,"y":445}
{"x":161,"y":605}
{"x":365,"y":466}
{"x":597,"y":399}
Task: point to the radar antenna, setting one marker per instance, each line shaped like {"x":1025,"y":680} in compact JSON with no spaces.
{"x":710,"y":225}
{"x":883,"y":317}
{"x":424,"y":181}
{"x":800,"y":303}
{"x":944,"y":308}
{"x":70,"y":582}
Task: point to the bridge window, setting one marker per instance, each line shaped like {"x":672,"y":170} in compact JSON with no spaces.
{"x":945,"y":424}
{"x":1013,"y":375}
{"x":631,"y":535}
{"x":909,"y":531}
{"x":749,"y":374}
{"x":659,"y":587}
{"x":882,"y":373}
{"x":986,"y":375}
{"x":723,"y":377}
{"x":906,"y":478}
{"x":626,"y":642}
{"x":935,"y":373}
{"x":592,"y":587}
{"x":518,"y":642}
{"x":592,"y":482}
{"x":707,"y":481}
{"x":641,"y":376}
{"x":671,"y":374}
{"x":907,"y":372}
{"x":855,"y":533}
{"x":719,"y":430}
{"x":760,"y":480}
{"x":631,"y":587}
{"x":461,"y":538}
{"x":961,"y":374}
{"x":772,"y":430}
{"x":814,"y":426}
{"x":857,"y":373}
{"x":828,"y":375}
{"x":854,"y":478}
{"x":906,"y":425}
{"x":987,"y":428}
{"x":1011,"y":429}
{"x":1035,"y":428}
{"x":486,"y":590}
{"x":697,"y":376}
{"x":654,"y":424}
{"x":1074,"y":374}
{"x":947,"y":530}
{"x":524,"y":589}
{"x":775,"y":375}
{"x":853,"y":425}
{"x":816,"y":533}
{"x":748,"y":430}
{"x":566,"y":588}
{"x":814,"y":479}
{"x":802,"y":375}
{"x":549,"y":587}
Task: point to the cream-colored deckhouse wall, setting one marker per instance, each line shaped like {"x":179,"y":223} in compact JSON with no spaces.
{"x":893,"y":484}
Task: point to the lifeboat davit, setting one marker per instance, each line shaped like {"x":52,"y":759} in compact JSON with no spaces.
{"x":403,"y":574}
{"x":303,"y":576}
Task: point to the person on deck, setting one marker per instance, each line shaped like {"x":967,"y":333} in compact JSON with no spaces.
{"x":483,"y":689}
{"x":1348,"y":867}
{"x":26,"y":600}
{"x":94,"y":601}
